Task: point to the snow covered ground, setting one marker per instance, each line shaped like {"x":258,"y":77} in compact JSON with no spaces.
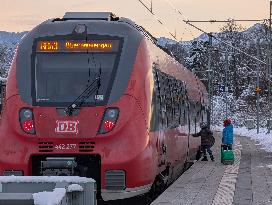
{"x":263,"y":138}
{"x":49,"y":198}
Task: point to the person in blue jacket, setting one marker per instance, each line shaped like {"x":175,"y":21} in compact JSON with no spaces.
{"x":227,"y":133}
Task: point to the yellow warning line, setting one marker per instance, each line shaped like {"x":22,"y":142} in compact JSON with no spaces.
{"x":226,"y":187}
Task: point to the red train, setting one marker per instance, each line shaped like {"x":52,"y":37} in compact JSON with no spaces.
{"x":91,"y":95}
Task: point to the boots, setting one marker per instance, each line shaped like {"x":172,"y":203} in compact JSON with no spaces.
{"x":212,"y":158}
{"x":204,"y":158}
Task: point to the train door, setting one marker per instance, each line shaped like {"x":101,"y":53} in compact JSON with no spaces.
{"x":194,"y":142}
{"x":177,"y":140}
{"x":183,"y":121}
{"x":189,"y":126}
{"x":2,"y":95}
{"x":159,"y":119}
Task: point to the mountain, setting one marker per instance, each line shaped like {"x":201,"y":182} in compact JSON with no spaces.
{"x":162,"y":41}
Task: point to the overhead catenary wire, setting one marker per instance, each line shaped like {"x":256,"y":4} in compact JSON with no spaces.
{"x":180,"y":13}
{"x":226,"y":21}
{"x":155,"y":16}
{"x":209,"y":34}
{"x":226,"y":43}
{"x":201,"y":30}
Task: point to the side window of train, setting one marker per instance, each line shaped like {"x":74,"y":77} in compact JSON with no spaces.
{"x":204,"y":115}
{"x":155,"y":107}
{"x":153,"y":104}
{"x":192,"y":117}
{"x":165,"y":96}
{"x":186,"y":112}
{"x":3,"y":96}
{"x":170,"y":104}
{"x":198,"y":117}
{"x":177,"y":103}
{"x":162,"y":100}
{"x":182,"y":111}
{"x":188,"y":117}
{"x":195,"y":117}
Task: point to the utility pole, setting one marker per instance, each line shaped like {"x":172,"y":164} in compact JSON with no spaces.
{"x":226,"y":83}
{"x":210,"y":80}
{"x":269,"y":71}
{"x":258,"y":90}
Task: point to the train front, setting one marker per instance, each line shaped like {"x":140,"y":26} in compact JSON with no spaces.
{"x":77,"y":104}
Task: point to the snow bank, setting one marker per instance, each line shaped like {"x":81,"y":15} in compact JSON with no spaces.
{"x":49,"y":198}
{"x":263,"y":138}
{"x":45,"y":179}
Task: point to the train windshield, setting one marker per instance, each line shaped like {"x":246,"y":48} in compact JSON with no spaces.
{"x":62,"y":76}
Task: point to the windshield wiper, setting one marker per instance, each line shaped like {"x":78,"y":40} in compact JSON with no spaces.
{"x":85,"y":95}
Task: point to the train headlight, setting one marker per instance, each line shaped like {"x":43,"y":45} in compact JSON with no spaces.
{"x":27,"y":121}
{"x":109,"y":120}
{"x":27,"y":114}
{"x":112,"y":113}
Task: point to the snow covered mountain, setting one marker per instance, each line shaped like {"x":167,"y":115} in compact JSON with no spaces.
{"x":162,"y":41}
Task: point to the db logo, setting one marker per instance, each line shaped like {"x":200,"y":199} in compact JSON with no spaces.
{"x":68,"y":127}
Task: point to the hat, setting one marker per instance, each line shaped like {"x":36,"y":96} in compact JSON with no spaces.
{"x":227,"y":122}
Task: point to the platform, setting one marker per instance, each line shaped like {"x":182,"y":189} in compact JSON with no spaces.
{"x":247,"y":182}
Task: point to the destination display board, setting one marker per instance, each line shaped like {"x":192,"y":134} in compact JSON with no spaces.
{"x":78,"y":46}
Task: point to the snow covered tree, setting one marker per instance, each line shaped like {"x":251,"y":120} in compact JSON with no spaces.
{"x":4,"y":60}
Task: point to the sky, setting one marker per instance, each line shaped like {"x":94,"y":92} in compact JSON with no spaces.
{"x":23,"y":15}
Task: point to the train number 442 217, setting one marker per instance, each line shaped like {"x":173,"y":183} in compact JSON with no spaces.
{"x":65,"y":146}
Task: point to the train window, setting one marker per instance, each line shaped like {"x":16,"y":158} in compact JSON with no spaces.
{"x":188,"y":119}
{"x":198,"y":118}
{"x":202,"y":114}
{"x":192,"y":118}
{"x":182,"y":113}
{"x":195,"y":124}
{"x":62,"y":77}
{"x":154,"y":111}
{"x":2,"y":95}
{"x":174,"y":110}
{"x":155,"y":108}
{"x":195,"y":117}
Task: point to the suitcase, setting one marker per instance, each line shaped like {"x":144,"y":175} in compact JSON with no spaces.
{"x":227,"y":155}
